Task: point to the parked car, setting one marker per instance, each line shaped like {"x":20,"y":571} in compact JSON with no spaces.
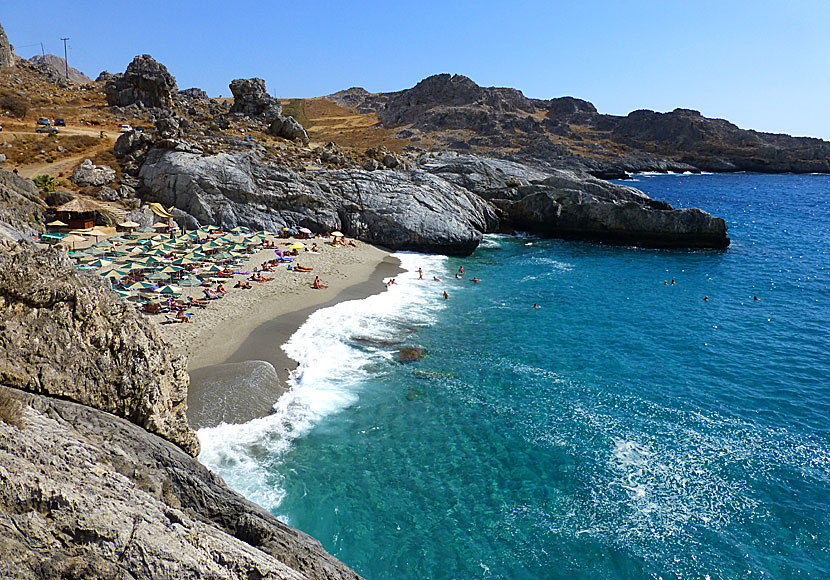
{"x":44,"y":121}
{"x":47,"y":129}
{"x":60,"y":123}
{"x":126,"y":128}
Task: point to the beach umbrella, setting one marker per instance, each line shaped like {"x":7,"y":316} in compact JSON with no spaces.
{"x":337,"y":235}
{"x":96,"y":251}
{"x":184,"y":261}
{"x":114,"y":273}
{"x":214,"y":268}
{"x":211,"y":228}
{"x":297,"y":246}
{"x":73,"y":239}
{"x":122,"y":293}
{"x":189,"y":282}
{"x":157,"y":276}
{"x":264,"y":233}
{"x":99,"y":263}
{"x":238,"y":229}
{"x":304,"y":231}
{"x":135,"y":266}
{"x":141,"y":286}
{"x":57,"y":224}
{"x":78,"y":253}
{"x":117,"y":253}
{"x":171,"y":269}
{"x":129,"y":225}
{"x":170,"y":290}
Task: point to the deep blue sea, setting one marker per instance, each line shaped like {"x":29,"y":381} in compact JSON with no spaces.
{"x":626,"y":429}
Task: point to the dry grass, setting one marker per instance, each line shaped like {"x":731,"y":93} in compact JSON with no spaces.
{"x":39,"y":148}
{"x":328,"y":121}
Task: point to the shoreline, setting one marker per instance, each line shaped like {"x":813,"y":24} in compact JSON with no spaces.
{"x":237,"y":367}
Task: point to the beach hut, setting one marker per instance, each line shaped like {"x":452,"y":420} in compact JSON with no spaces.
{"x":79,"y":213}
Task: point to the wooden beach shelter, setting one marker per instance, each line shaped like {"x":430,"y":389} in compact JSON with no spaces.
{"x":79,"y":213}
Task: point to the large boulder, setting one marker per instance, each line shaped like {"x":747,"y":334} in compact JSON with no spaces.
{"x":399,"y":210}
{"x":250,"y":98}
{"x":87,"y":173}
{"x":288,"y":128}
{"x":66,"y":335}
{"x":146,"y":83}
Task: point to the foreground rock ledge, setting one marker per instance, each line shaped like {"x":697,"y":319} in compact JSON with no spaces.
{"x":84,"y":494}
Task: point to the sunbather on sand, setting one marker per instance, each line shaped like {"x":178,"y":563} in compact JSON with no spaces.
{"x":318,"y":285}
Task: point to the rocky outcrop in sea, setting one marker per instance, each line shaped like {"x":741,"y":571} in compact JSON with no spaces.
{"x":97,"y":477}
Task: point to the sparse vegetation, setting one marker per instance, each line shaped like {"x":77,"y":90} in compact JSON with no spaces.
{"x":17,"y":106}
{"x":46,"y":183}
{"x":296,"y":108}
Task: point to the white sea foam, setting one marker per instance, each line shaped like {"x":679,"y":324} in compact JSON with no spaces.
{"x":337,"y":349}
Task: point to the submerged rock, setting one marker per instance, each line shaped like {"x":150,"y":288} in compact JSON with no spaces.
{"x":411,"y":353}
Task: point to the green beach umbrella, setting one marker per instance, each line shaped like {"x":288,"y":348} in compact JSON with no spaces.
{"x":190,"y":282}
{"x":141,"y":286}
{"x":99,"y":263}
{"x":171,"y":269}
{"x":157,"y":276}
{"x":170,"y":290}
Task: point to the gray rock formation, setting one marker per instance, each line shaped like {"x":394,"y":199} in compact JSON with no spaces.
{"x":88,"y":173}
{"x":145,"y":83}
{"x":400,"y":210}
{"x":195,"y":94}
{"x":250,"y":98}
{"x":68,"y":337}
{"x":57,"y":62}
{"x":7,"y":58}
{"x":565,"y":204}
{"x":86,"y":495}
{"x":288,"y":128}
{"x":21,"y":209}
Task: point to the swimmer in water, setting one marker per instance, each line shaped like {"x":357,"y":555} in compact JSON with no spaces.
{"x":476,"y":280}
{"x":461,"y":270}
{"x":706,"y":299}
{"x":535,"y":306}
{"x":756,"y":298}
{"x":446,"y":296}
{"x":436,"y":278}
{"x":420,"y":274}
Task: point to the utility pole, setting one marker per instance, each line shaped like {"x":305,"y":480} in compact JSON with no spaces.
{"x":65,"y":59}
{"x":42,"y":50}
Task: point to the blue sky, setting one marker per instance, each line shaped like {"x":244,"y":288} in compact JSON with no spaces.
{"x":761,"y":64}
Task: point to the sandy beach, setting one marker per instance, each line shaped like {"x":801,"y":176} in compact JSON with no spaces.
{"x":227,"y":339}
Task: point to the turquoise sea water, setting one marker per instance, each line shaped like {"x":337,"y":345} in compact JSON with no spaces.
{"x":625,"y":429}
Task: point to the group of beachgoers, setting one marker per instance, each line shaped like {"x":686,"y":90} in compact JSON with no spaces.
{"x":458,"y":276}
{"x":705,"y":298}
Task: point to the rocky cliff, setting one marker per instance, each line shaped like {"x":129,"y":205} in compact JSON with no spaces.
{"x":145,"y":83}
{"x":411,"y":210}
{"x":453,"y":112}
{"x":87,"y":490}
{"x":443,"y":203}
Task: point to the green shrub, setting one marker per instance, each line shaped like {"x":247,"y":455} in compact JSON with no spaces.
{"x":46,"y":183}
